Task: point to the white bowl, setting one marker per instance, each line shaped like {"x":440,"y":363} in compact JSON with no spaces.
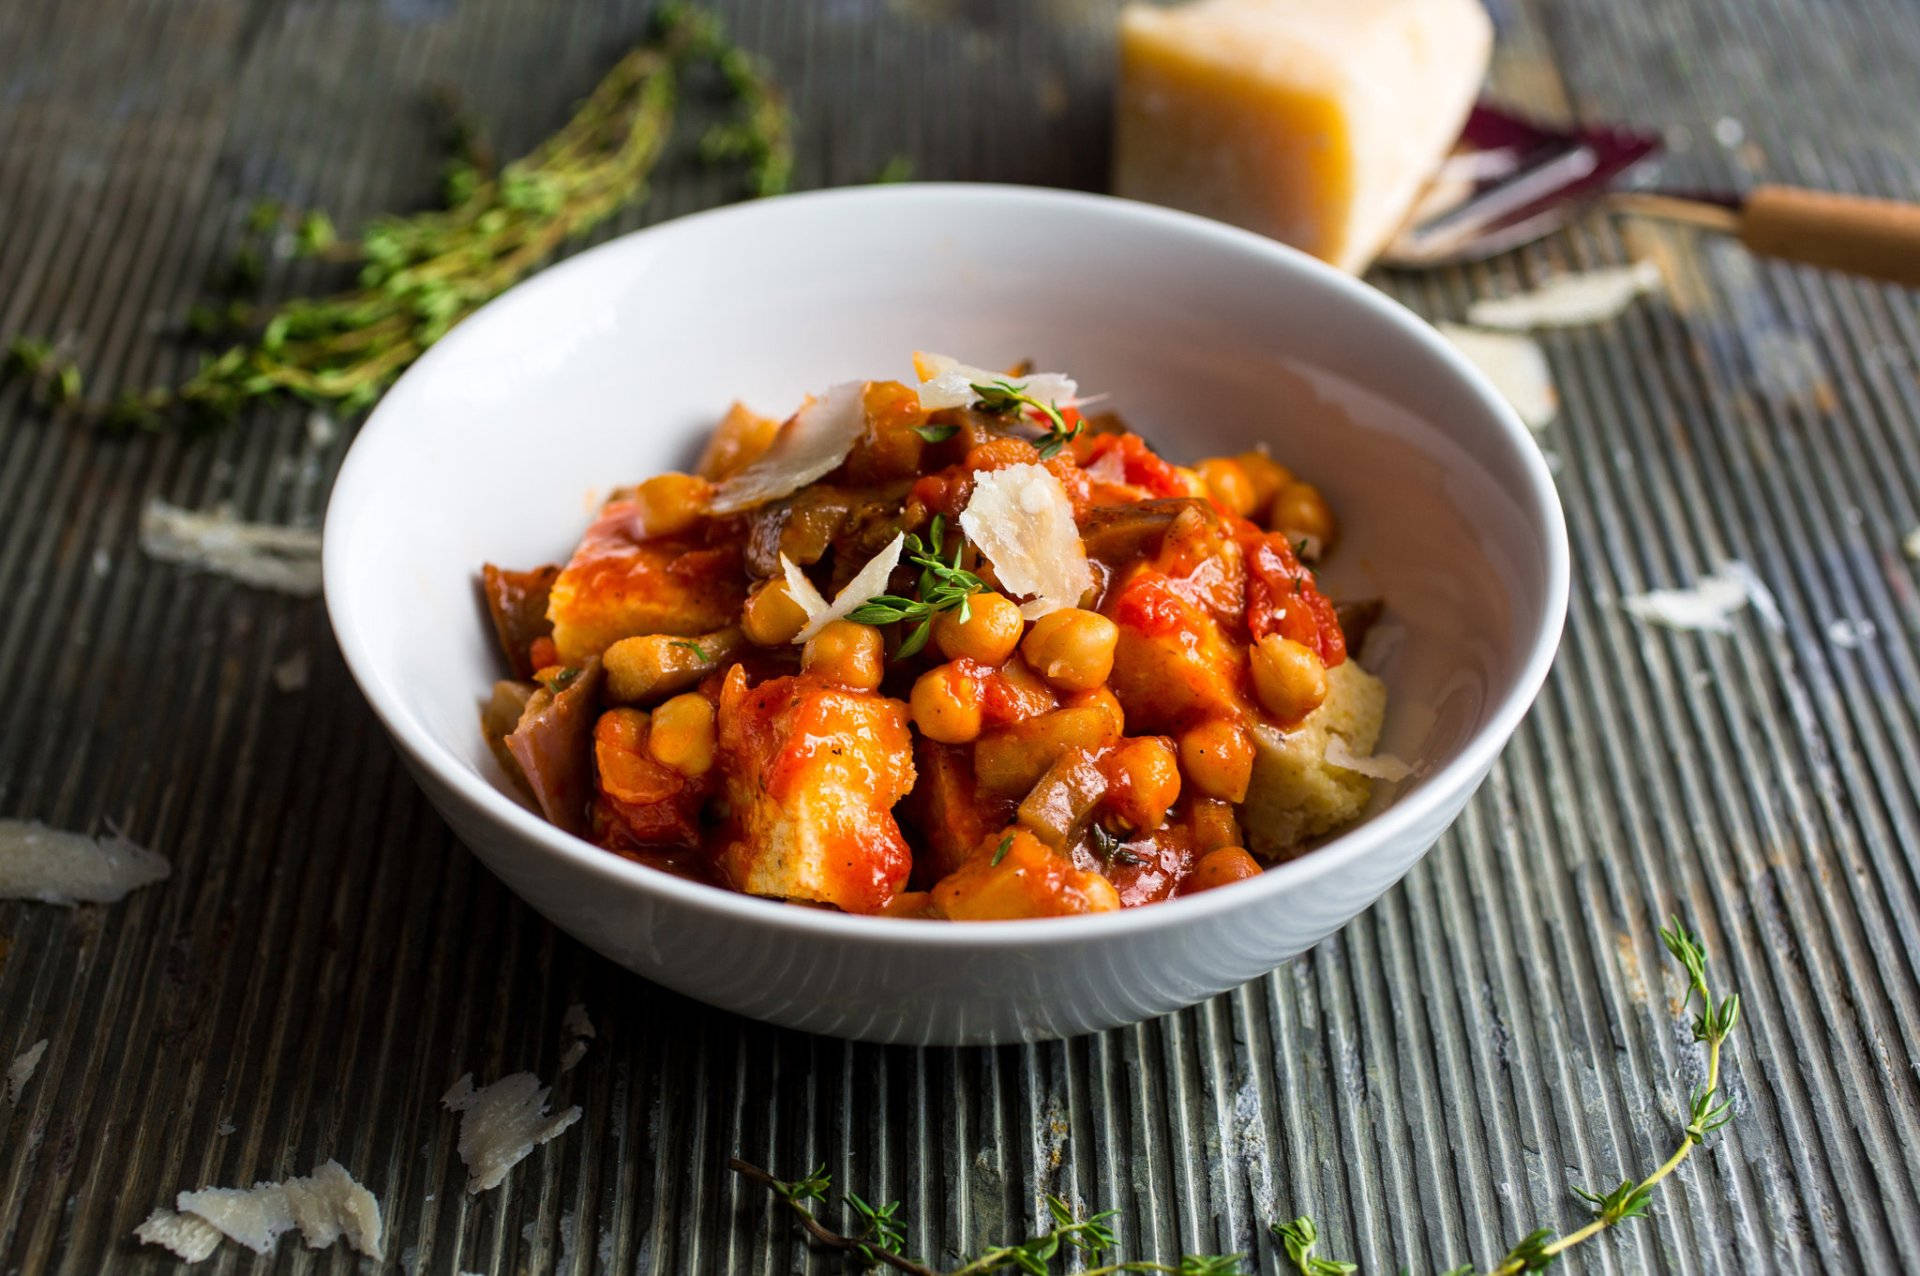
{"x":611,"y":366}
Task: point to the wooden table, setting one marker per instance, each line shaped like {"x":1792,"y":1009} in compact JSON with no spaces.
{"x":327,"y":959}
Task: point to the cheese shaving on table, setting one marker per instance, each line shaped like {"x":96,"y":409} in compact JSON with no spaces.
{"x":868,"y":581}
{"x":192,"y":1239}
{"x":1910,"y":544}
{"x":22,"y":1069}
{"x":324,"y":1207}
{"x":501,"y":1123}
{"x":1515,"y":364}
{"x":1710,"y":604}
{"x":814,"y":441}
{"x":945,"y":382}
{"x":1021,"y":520}
{"x":579,"y":1030}
{"x":57,"y":867}
{"x":1568,"y":301}
{"x":1379,"y":766}
{"x":265,"y":555}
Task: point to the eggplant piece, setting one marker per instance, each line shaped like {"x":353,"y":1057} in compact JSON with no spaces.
{"x":1121,"y":534}
{"x":1056,"y":809}
{"x":517,"y":602}
{"x":553,"y":745}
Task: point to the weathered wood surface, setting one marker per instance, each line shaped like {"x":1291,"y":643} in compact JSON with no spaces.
{"x":326,"y":959}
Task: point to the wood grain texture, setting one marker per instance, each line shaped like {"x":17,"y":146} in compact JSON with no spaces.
{"x":327,"y":960}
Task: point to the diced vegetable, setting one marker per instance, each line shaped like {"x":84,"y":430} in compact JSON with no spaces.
{"x":517,"y":601}
{"x":655,"y":666}
{"x":552,"y":746}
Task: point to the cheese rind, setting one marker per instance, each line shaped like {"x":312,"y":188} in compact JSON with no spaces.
{"x":1316,"y":123}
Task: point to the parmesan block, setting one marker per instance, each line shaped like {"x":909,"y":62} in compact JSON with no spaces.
{"x":1298,"y":790}
{"x":1313,"y":121}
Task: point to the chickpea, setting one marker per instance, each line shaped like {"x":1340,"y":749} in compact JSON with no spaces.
{"x":1288,"y":678}
{"x":989,"y":634}
{"x":1217,"y":756}
{"x":1071,"y":648}
{"x":1108,"y":704}
{"x":1232,"y":490}
{"x":1214,"y":824}
{"x":1300,"y":511}
{"x":1145,"y":780}
{"x":670,"y":503}
{"x":852,"y":655}
{"x":771,"y":617}
{"x":682,"y":734}
{"x":946,"y":705}
{"x":1266,"y":476}
{"x":1221,"y":867}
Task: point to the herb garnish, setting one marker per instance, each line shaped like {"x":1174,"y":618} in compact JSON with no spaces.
{"x":943,"y":586}
{"x":420,"y":274}
{"x":1111,"y":850}
{"x":881,"y":1238}
{"x":699,"y":652}
{"x":562,"y":680}
{"x":936,"y":433}
{"x":1006,"y":844}
{"x":1002,"y":397}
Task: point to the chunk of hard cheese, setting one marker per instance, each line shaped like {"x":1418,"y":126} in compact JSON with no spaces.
{"x":1314,"y":121}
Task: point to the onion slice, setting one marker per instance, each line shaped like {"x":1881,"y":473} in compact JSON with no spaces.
{"x":945,"y":382}
{"x":815,"y":441}
{"x":1021,"y":519}
{"x":868,"y":581}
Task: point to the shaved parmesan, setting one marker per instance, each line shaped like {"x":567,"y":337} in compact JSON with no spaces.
{"x":1710,"y":604}
{"x":501,"y":1123}
{"x":257,"y":1216}
{"x":22,"y":1069}
{"x":324,"y":1207}
{"x":868,"y":581}
{"x":328,"y":1205}
{"x":576,"y":1023}
{"x":57,"y":867}
{"x":192,"y":1239}
{"x":1021,"y":519}
{"x":814,"y":442}
{"x":1910,"y":544}
{"x":264,"y":555}
{"x":1380,"y":766}
{"x":579,"y":1030}
{"x":1566,"y":301}
{"x":1515,"y":364}
{"x":947,"y":383}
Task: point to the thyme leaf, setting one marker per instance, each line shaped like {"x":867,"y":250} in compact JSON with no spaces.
{"x":1004,"y":397}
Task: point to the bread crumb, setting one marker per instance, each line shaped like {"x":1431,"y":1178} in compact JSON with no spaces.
{"x":53,"y":866}
{"x":22,"y":1069}
{"x":501,"y":1123}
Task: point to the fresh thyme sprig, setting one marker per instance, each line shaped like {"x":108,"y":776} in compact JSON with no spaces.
{"x":881,"y":1238}
{"x":1299,"y":1238}
{"x":1008,"y":396}
{"x":943,"y":586}
{"x":1706,"y":1113}
{"x":421,"y":274}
